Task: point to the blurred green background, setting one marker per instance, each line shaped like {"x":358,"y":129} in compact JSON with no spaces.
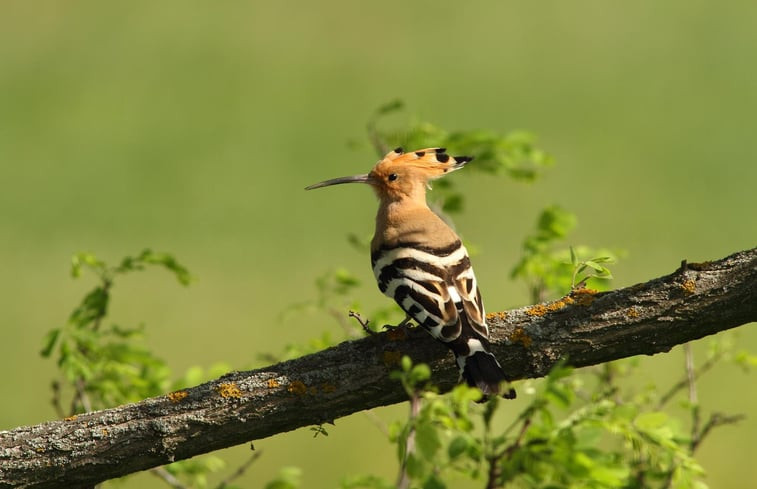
{"x":193,"y":127}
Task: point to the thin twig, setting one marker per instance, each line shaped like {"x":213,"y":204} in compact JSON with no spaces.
{"x":377,"y":421}
{"x":691,"y":373}
{"x":167,"y":477}
{"x":363,"y":322}
{"x":508,"y":452}
{"x":80,"y":397}
{"x":683,"y":383}
{"x":495,"y":471}
{"x":56,"y":400}
{"x":403,"y":479}
{"x":716,"y":419}
{"x":338,"y":315}
{"x":240,"y":470}
{"x":107,"y":283}
{"x":375,"y":138}
{"x":691,"y":377}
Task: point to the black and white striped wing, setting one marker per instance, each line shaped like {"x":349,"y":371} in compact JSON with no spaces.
{"x":434,"y":286}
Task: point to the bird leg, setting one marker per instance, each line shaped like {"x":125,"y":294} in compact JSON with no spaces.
{"x":401,"y":325}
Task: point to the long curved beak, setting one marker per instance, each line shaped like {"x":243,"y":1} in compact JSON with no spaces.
{"x":336,"y":181}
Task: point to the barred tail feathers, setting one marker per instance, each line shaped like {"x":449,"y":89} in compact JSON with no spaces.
{"x":481,"y":369}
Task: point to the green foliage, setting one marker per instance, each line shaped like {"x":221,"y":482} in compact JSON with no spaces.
{"x":552,"y":271}
{"x":578,"y":430}
{"x":105,"y":365}
{"x":412,"y":377}
{"x":319,"y":430}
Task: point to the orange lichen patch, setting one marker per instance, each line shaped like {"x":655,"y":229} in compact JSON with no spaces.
{"x":392,"y":358}
{"x":397,"y":334}
{"x":583,"y":297}
{"x":500,"y":316}
{"x":632,"y":312}
{"x":542,"y":309}
{"x":328,"y":388}
{"x":229,"y":389}
{"x":104,"y":432}
{"x":177,"y":396}
{"x":297,"y":387}
{"x":71,"y":418}
{"x":273,"y":383}
{"x":313,"y":390}
{"x":559,"y":304}
{"x":689,"y":286}
{"x":537,"y":310}
{"x":520,"y":336}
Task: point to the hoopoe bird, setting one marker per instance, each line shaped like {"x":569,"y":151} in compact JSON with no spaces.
{"x":420,"y":262}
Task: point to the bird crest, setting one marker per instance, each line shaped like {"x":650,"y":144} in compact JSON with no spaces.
{"x":433,"y":161}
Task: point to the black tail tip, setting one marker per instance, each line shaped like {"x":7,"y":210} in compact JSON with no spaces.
{"x":483,"y":371}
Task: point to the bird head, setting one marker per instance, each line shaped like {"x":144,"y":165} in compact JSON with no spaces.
{"x":401,"y":175}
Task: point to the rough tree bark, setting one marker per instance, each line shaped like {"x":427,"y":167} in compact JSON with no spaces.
{"x":589,"y":328}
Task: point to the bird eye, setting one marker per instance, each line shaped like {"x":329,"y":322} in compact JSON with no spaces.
{"x":392,"y":177}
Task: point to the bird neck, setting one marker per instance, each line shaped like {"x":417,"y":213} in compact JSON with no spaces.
{"x":409,"y":221}
{"x":392,"y":211}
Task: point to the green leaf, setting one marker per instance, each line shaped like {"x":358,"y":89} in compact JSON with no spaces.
{"x":169,"y":262}
{"x":420,"y":373}
{"x":651,"y":421}
{"x":288,"y":478}
{"x":453,"y":203}
{"x":603,"y":259}
{"x":50,"y":340}
{"x":434,"y":482}
{"x":389,"y":107}
{"x":427,"y":440}
{"x":609,"y":476}
{"x":555,"y":222}
{"x":89,"y":260}
{"x":406,"y":363}
{"x":458,"y":446}
{"x":366,"y":481}
{"x":415,"y":467}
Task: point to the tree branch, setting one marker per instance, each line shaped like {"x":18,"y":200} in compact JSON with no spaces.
{"x":589,"y":328}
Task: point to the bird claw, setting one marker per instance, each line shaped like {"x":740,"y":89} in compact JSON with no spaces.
{"x":399,"y":331}
{"x":395,"y":327}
